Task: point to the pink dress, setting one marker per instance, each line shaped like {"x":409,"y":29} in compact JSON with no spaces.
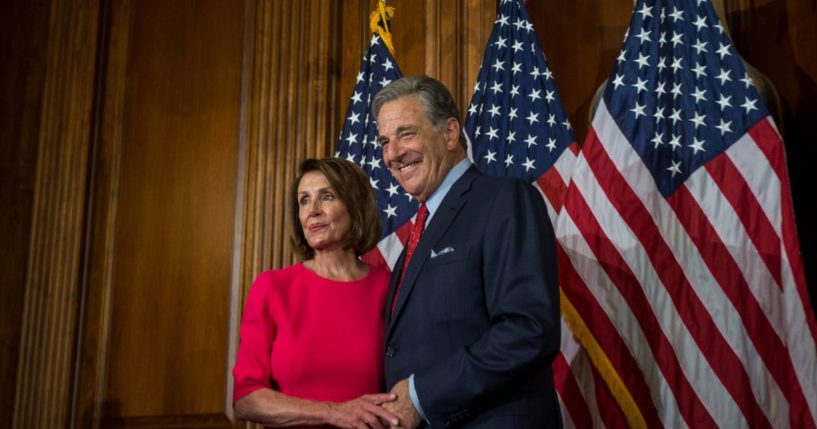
{"x":311,"y":337}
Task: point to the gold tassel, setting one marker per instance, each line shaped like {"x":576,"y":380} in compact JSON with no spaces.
{"x":382,"y":15}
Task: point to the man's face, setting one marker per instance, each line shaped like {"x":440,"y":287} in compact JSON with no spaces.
{"x":418,"y":154}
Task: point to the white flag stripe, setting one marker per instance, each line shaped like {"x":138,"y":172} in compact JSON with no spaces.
{"x":764,"y":183}
{"x":799,"y":340}
{"x":734,"y":236}
{"x":390,"y":247}
{"x":694,"y":364}
{"x":564,"y":165}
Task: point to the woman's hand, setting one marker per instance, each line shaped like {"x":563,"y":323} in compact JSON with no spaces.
{"x":363,"y":413}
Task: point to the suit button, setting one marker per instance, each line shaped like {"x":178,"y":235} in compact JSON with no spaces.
{"x":390,"y":351}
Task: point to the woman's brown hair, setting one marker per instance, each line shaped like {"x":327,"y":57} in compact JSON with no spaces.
{"x":352,"y":187}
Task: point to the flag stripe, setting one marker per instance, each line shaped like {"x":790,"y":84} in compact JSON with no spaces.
{"x":760,"y":231}
{"x":605,"y":333}
{"x":570,"y":394}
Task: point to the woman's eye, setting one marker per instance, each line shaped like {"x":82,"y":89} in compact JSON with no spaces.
{"x":328,"y":197}
{"x":303,"y":202}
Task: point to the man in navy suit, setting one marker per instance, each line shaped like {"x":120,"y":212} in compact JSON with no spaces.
{"x":472,"y":320}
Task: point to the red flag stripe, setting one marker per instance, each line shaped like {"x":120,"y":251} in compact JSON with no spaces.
{"x":570,"y":394}
{"x":636,"y":315}
{"x":759,"y":229}
{"x":613,"y":416}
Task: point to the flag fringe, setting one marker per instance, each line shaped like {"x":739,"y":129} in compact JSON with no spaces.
{"x":603,"y":365}
{"x":379,"y":23}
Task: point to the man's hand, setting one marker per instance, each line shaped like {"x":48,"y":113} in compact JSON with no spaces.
{"x":365,"y":412}
{"x":402,"y":406}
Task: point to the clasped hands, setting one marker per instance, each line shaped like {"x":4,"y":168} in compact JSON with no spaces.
{"x":378,"y":411}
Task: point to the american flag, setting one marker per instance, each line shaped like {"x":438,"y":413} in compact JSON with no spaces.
{"x":358,"y":143}
{"x":680,"y":262}
{"x":518,"y":127}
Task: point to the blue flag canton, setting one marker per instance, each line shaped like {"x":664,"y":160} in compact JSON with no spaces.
{"x":358,"y":139}
{"x":516,"y":120}
{"x":679,"y":91}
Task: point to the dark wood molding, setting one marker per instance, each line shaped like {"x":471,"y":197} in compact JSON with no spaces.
{"x":52,"y":295}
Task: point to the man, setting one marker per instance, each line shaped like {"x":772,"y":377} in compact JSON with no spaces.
{"x":472,"y":320}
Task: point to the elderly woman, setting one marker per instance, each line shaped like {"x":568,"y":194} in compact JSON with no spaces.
{"x":311,"y":350}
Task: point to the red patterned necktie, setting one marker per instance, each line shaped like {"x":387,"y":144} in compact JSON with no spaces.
{"x":414,"y":238}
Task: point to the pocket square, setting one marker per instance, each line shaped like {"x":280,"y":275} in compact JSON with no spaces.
{"x":448,"y":249}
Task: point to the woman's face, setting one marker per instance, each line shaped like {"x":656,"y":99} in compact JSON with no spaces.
{"x":324,"y":218}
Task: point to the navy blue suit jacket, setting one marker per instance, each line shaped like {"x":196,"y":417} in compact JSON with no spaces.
{"x":477,"y":316}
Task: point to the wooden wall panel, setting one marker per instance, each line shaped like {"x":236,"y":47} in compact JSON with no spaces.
{"x":52,"y":287}
{"x":175,"y":209}
{"x":22,"y":68}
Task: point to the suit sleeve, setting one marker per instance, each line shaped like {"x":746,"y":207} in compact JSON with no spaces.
{"x":521,"y":294}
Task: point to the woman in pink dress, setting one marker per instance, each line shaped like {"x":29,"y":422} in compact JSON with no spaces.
{"x":311,"y":351}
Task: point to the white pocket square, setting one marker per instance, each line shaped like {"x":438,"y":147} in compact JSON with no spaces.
{"x":448,"y":249}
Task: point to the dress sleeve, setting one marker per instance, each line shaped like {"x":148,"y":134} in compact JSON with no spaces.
{"x":252,"y":366}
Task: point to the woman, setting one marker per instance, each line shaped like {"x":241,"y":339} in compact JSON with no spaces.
{"x":311,"y":350}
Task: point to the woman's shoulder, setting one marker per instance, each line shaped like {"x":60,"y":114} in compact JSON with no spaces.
{"x":269,"y":278}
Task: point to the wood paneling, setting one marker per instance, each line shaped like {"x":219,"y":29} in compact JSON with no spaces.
{"x":22,"y":70}
{"x":52,"y":296}
{"x":174,"y":213}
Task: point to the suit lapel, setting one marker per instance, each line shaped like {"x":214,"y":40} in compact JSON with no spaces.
{"x":444,"y":216}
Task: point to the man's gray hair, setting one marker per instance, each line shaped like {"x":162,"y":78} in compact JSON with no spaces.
{"x":438,"y":103}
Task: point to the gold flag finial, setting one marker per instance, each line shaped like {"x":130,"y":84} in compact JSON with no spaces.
{"x":379,"y":23}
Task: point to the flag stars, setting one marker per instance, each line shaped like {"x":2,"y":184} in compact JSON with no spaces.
{"x":699,"y":95}
{"x":698,"y":120}
{"x":675,"y":142}
{"x":724,"y":76}
{"x":697,"y":145}
{"x":747,"y":80}
{"x":551,"y":144}
{"x":643,"y":35}
{"x":517,"y":46}
{"x":509,"y":160}
{"x":551,"y":119}
{"x":356,"y":97}
{"x":514,"y":90}
{"x":516,"y":68}
{"x":494,"y":110}
{"x":675,"y":168}
{"x":676,"y":15}
{"x":618,"y":81}
{"x":534,"y":95}
{"x":723,"y":50}
{"x":676,"y":115}
{"x":749,"y":105}
{"x":659,"y":89}
{"x":532,"y":118}
{"x":548,"y":74}
{"x":388,"y":64}
{"x":354,"y":118}
{"x":496,"y":87}
{"x":640,"y":85}
{"x":535,"y":72}
{"x":676,"y":90}
{"x":374,"y":163}
{"x":351,"y":138}
{"x":492,"y":133}
{"x":700,"y":70}
{"x":511,"y":137}
{"x":642,"y":60}
{"x":489,"y":157}
{"x":700,"y":46}
{"x":549,"y":95}
{"x":622,"y":56}
{"x":472,"y":109}
{"x":531,"y":140}
{"x":373,"y":182}
{"x":498,"y":65}
{"x":646,"y":11}
{"x":700,"y":22}
{"x":500,"y":43}
{"x":390,"y":211}
{"x":392,"y":190}
{"x":676,"y":64}
{"x":662,"y":63}
{"x":502,"y":21}
{"x":676,"y":39}
{"x":659,"y":114}
{"x":566,"y":123}
{"x":723,"y":101}
{"x":384,"y":81}
{"x":512,"y":114}
{"x":657,"y":140}
{"x":725,"y":127}
{"x":528,"y":164}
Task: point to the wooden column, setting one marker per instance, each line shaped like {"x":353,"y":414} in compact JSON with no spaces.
{"x":58,"y":220}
